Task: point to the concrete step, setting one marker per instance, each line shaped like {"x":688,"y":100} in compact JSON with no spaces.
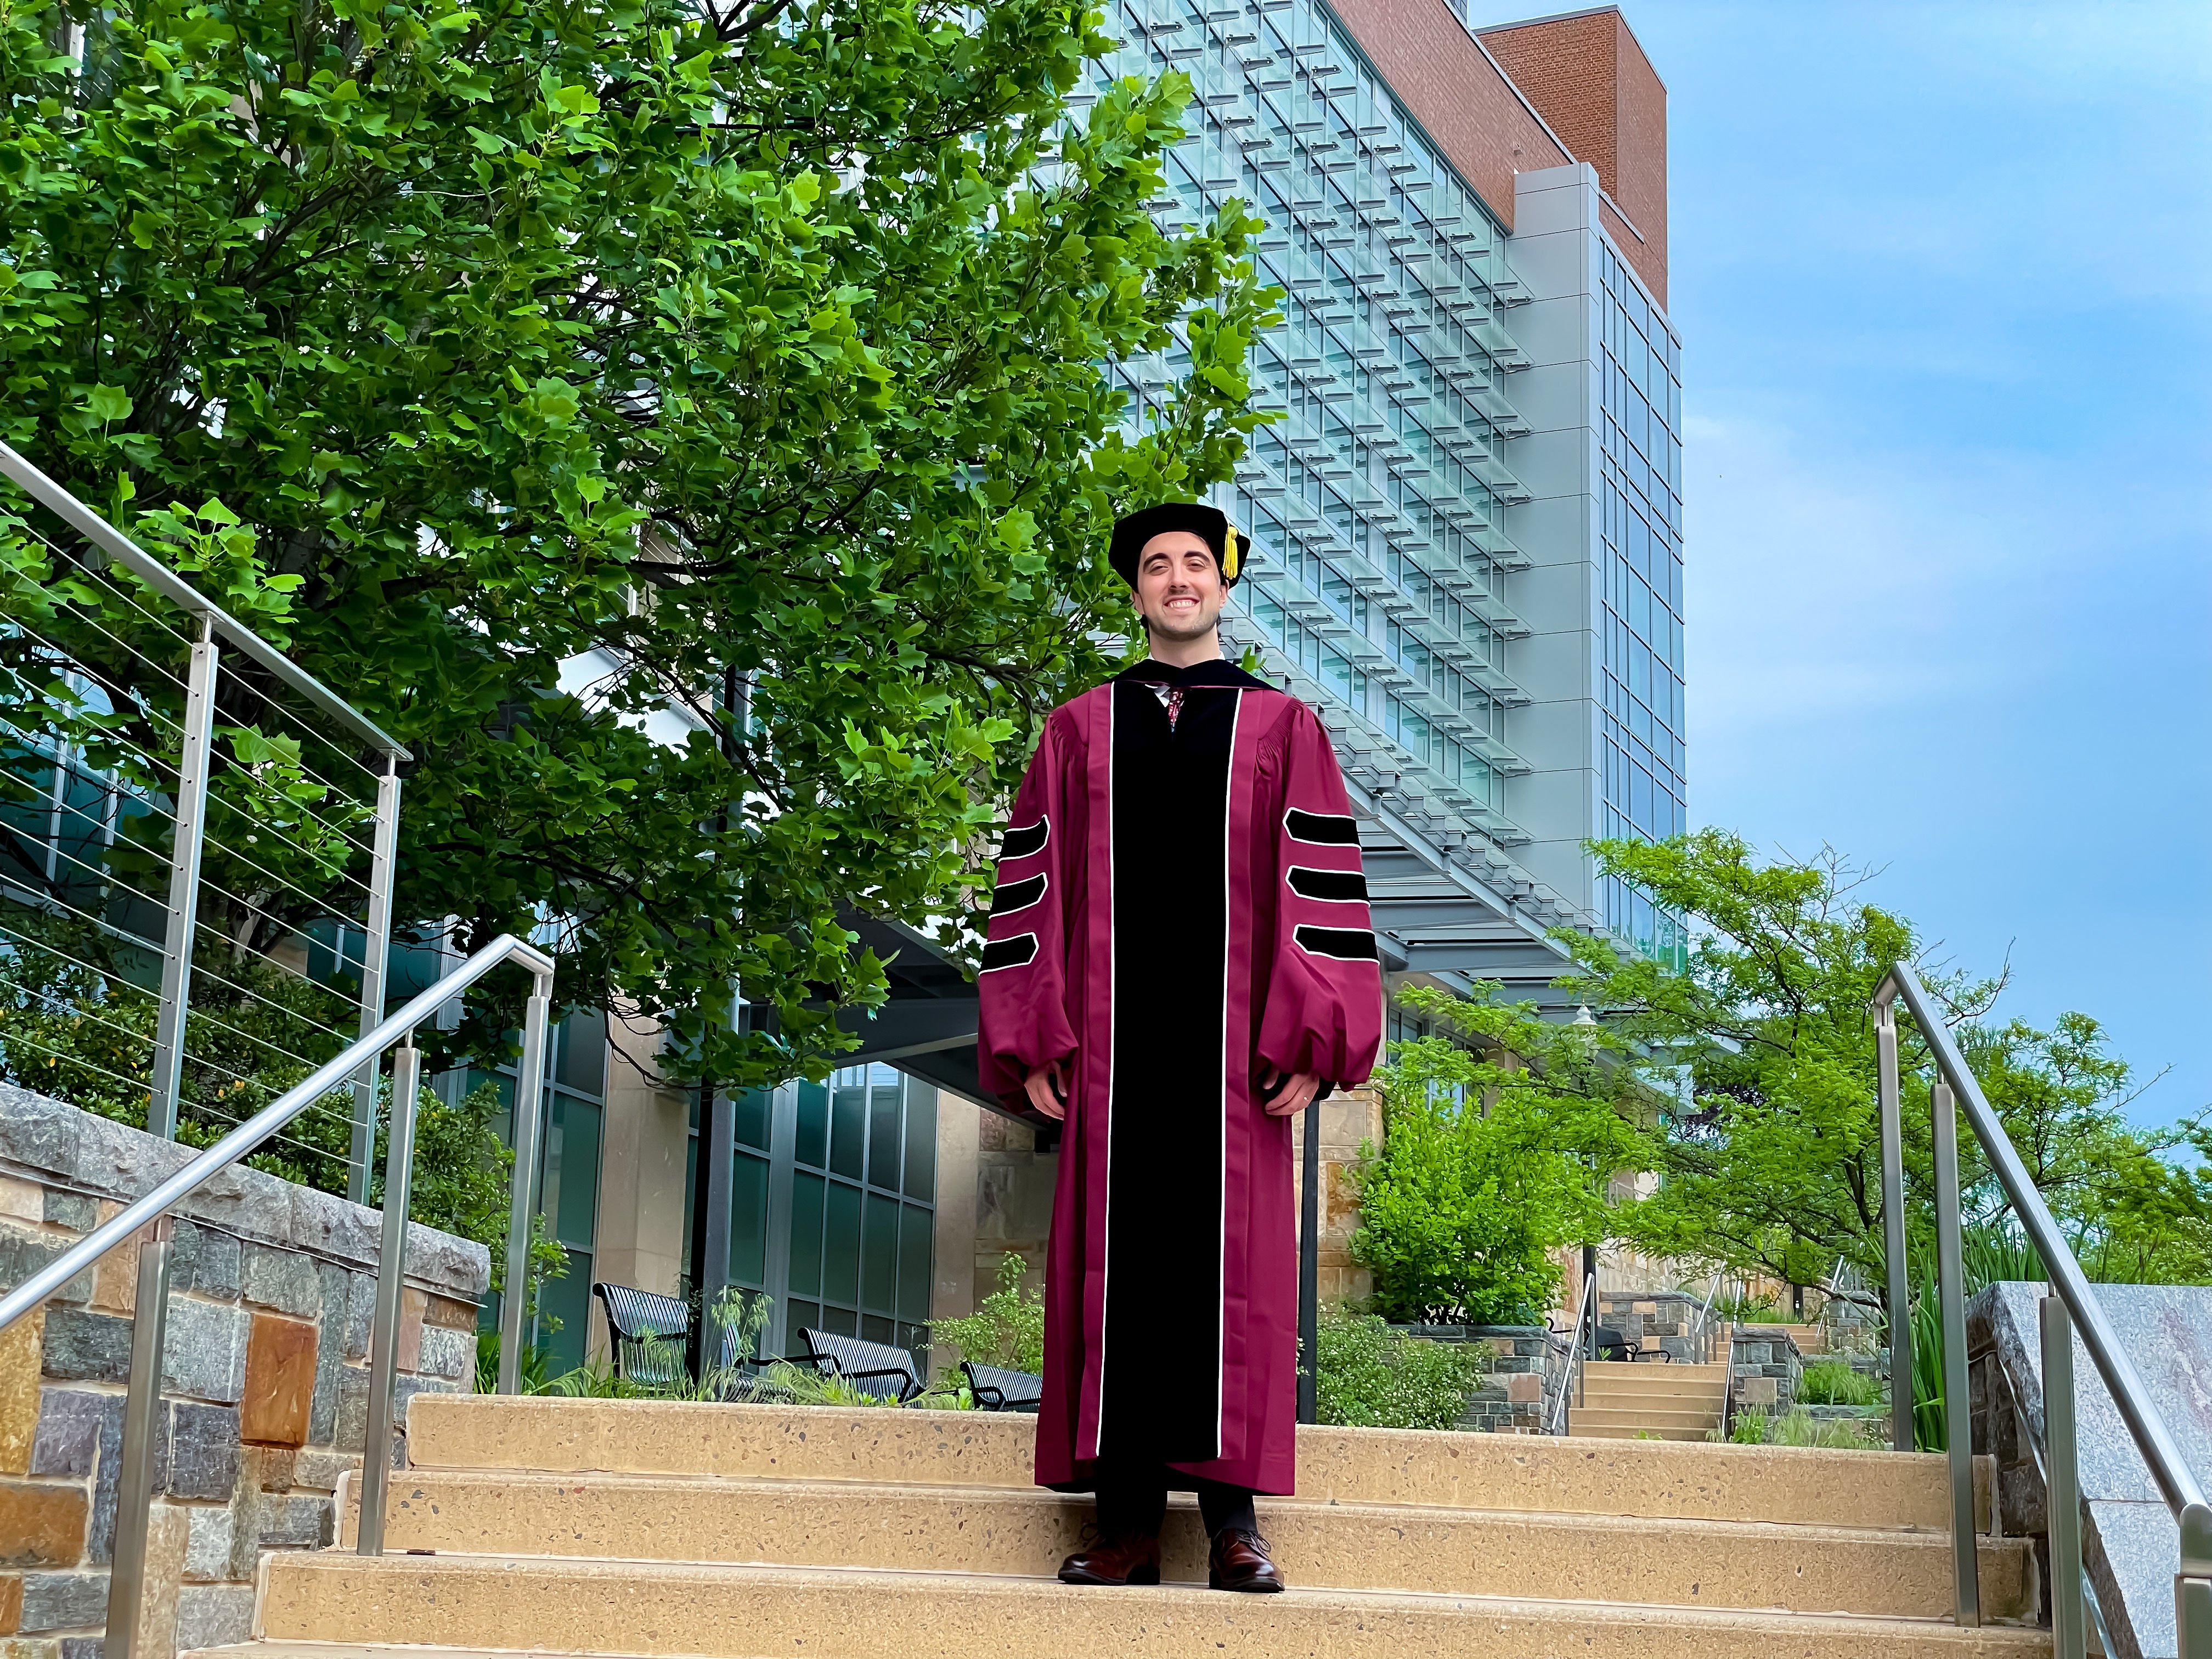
{"x":1639,"y":1432}
{"x":1663,"y":1399}
{"x":1642,"y":1417}
{"x":1611,"y":1374}
{"x":1535,"y":1473}
{"x":1351,"y":1546}
{"x":752,"y":1612}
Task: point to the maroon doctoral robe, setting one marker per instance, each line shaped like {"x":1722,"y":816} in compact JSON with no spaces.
{"x":1179,"y":906}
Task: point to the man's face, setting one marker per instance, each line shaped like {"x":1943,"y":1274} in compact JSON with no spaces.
{"x":1179,"y":586}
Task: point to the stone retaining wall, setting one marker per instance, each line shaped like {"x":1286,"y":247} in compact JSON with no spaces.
{"x":1657,"y":1322}
{"x":1527,"y":1369}
{"x":1768,"y":1368}
{"x":265,"y":1382}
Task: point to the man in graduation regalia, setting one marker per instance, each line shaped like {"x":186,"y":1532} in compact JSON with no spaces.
{"x":1180,"y":958}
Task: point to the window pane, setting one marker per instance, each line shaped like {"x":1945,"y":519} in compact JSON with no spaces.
{"x":921,"y":1144}
{"x":879,"y":1253}
{"x":803,"y":1316}
{"x":583,"y":1062}
{"x":567,"y":1299}
{"x":806,"y":1234}
{"x":749,"y":1111}
{"x":749,"y":1220}
{"x":876,"y":1328}
{"x":576,"y":1137}
{"x":915,"y":1227}
{"x":813,"y":1146}
{"x":884,"y":1135}
{"x":841,"y":1244}
{"x":848,"y":1124}
{"x":843,"y":1320}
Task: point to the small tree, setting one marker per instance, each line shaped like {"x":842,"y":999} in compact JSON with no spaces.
{"x":1768,"y":1154}
{"x":1495,"y":1152}
{"x":1007,"y":1328}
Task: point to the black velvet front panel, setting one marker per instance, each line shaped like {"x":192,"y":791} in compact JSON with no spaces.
{"x":1170,"y":927}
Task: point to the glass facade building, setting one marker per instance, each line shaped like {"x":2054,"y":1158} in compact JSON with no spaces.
{"x":1468,"y":523}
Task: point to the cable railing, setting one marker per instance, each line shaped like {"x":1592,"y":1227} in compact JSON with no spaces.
{"x":149,"y":1220}
{"x":2068,"y":1307}
{"x":182,"y":794}
{"x":185,"y":804}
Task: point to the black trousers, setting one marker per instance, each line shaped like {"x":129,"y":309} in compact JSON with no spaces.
{"x":1133,"y":1502}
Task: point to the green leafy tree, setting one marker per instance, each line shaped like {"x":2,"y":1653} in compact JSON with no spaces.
{"x":1768,"y":1144}
{"x":689,"y":429}
{"x":1497,"y":1148}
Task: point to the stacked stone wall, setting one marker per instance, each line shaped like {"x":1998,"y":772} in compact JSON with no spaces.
{"x":264,"y":1384}
{"x":1663,"y":1322}
{"x":1768,"y":1370}
{"x":1525,"y":1370}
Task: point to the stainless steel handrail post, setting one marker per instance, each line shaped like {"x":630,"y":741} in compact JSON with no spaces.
{"x":2192,"y":1584}
{"x":1574,"y":1360}
{"x":1901,"y":1437}
{"x":528,"y":1087}
{"x":391,"y":1297}
{"x":1958,"y":1415}
{"x":376,"y":949}
{"x":183,"y":919}
{"x":2062,"y":1482}
{"x":134,"y":1487}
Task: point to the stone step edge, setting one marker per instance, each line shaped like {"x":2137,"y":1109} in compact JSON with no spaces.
{"x":923,"y":1582}
{"x":348,"y":1502}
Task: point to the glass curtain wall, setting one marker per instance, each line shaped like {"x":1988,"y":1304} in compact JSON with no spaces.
{"x":1379,"y":593}
{"x":833,"y":1206}
{"x":1640,"y":560}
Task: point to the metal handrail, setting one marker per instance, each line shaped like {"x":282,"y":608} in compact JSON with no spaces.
{"x":1574,"y":1355}
{"x":148,"y":1219}
{"x":172,"y":588}
{"x":2071,"y":1306}
{"x":1705,"y":1319}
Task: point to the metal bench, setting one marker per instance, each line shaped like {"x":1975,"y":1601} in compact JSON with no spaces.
{"x":998,"y":1390}
{"x":875,"y":1369}
{"x":650,"y":1332}
{"x":1614,"y":1344}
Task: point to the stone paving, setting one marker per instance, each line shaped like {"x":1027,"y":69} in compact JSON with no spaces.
{"x":265,"y":1382}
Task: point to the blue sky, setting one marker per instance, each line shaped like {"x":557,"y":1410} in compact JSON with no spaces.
{"x":1941,"y":275}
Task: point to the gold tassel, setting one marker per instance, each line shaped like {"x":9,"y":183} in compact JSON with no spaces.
{"x":1229,"y":554}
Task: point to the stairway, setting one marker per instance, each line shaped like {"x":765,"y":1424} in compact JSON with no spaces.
{"x":1621,"y":1401}
{"x":650,"y":1527}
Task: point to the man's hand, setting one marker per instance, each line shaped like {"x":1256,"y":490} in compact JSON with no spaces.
{"x":1048,"y":1091}
{"x":1296,"y":1094}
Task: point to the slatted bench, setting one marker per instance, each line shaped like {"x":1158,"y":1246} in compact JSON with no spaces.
{"x":998,"y":1390}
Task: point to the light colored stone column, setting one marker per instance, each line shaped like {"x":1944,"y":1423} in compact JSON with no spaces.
{"x":1013,"y":1198}
{"x":952,"y":1290}
{"x":645,"y":1135}
{"x":1349,"y":1119}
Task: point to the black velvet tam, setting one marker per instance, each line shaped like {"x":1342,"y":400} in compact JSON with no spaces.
{"x":1209,"y":524}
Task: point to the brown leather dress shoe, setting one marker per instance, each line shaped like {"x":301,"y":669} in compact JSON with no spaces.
{"x":1239,"y":1561}
{"x":1114,"y":1561}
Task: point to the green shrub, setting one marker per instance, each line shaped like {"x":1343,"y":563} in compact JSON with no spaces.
{"x":1007,"y":1328}
{"x":1799,"y":1427}
{"x":1831,"y":1383}
{"x":1371,"y":1376}
{"x":1488,"y":1163}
